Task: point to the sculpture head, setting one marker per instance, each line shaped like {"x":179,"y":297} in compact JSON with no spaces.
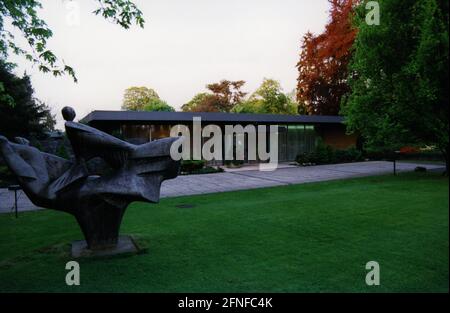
{"x":68,"y":114}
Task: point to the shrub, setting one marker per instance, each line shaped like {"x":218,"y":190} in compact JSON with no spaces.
{"x":349,"y":155}
{"x":205,"y":170}
{"x":234,"y":163}
{"x":409,"y":149}
{"x":405,"y":153}
{"x":380,"y":154}
{"x":188,"y":166}
{"x":303,"y":158}
{"x":325,"y":154}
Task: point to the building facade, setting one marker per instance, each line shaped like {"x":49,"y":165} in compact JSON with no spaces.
{"x":296,"y":133}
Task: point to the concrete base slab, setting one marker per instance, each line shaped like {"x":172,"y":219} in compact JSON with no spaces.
{"x":125,"y":244}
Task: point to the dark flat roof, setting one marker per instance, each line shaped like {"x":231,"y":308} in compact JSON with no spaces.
{"x":143,"y":116}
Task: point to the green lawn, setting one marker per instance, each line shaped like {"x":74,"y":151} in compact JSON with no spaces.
{"x":301,"y":238}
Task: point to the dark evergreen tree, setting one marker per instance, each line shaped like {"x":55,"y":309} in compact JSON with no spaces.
{"x":21,"y":114}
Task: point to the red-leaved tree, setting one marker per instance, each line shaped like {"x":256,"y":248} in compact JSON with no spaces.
{"x":223,"y":97}
{"x":324,"y":58}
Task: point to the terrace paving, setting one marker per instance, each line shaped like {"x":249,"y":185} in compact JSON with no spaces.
{"x":248,"y":178}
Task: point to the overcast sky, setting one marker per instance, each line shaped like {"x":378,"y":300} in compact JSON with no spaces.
{"x":185,"y":45}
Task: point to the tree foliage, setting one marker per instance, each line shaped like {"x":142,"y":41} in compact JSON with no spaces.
{"x":156,"y":104}
{"x":222,"y":97}
{"x":248,"y":106}
{"x":269,"y":98}
{"x":227,"y":96}
{"x":136,"y":98}
{"x":20,"y":113}
{"x":194,"y":102}
{"x":272,"y":98}
{"x":322,"y":80}
{"x":399,"y":76}
{"x":22,"y":15}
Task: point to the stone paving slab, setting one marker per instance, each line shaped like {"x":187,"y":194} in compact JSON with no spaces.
{"x":248,"y":179}
{"x":209,"y":183}
{"x":7,"y":201}
{"x":336,"y":171}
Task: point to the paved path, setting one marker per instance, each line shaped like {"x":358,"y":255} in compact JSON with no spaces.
{"x":238,"y":180}
{"x":248,"y":179}
{"x":7,"y":201}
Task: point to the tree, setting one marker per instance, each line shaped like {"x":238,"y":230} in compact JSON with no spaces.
{"x":399,"y":76}
{"x":272,"y":100}
{"x":21,"y":114}
{"x":269,"y":99}
{"x":210,"y":103}
{"x":323,"y":65}
{"x":227,"y":94}
{"x":194,"y":102}
{"x":248,"y":106}
{"x":48,"y":120}
{"x":223,"y":97}
{"x":23,"y":16}
{"x":135,"y":98}
{"x":155,"y":104}
{"x":301,"y":108}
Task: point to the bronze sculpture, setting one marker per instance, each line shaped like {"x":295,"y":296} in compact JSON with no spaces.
{"x":96,"y":199}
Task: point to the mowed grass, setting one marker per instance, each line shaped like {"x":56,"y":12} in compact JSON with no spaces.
{"x":314,"y":237}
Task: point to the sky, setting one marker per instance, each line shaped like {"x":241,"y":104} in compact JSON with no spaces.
{"x":184,"y":45}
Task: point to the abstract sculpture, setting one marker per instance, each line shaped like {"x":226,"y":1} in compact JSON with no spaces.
{"x":96,"y":188}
